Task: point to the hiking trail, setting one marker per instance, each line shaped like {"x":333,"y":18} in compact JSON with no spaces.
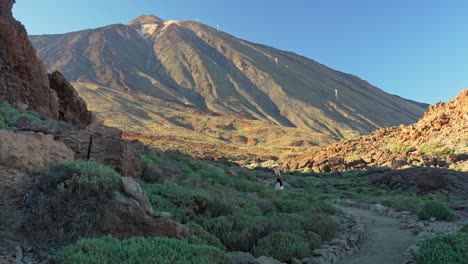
{"x":386,"y":242}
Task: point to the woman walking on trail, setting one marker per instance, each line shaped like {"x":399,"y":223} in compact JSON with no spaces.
{"x":278,"y":181}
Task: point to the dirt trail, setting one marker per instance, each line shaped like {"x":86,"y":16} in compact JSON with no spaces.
{"x":385,"y":244}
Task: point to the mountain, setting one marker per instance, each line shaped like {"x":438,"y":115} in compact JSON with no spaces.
{"x":185,"y":80}
{"x":438,"y":139}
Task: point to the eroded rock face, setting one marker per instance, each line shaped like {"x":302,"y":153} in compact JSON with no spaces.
{"x":30,"y":151}
{"x":24,"y":82}
{"x":105,"y":145}
{"x":72,"y":108}
{"x":23,"y":78}
{"x":125,"y":218}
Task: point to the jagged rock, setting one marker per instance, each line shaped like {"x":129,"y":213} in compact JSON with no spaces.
{"x":29,"y":151}
{"x":238,"y":257}
{"x":72,"y":108}
{"x":23,"y":79}
{"x":132,"y":188}
{"x":124,"y":217}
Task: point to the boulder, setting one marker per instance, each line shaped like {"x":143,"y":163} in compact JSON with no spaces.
{"x":31,"y":151}
{"x":132,"y":188}
{"x":266,"y":260}
{"x":238,"y":257}
{"x":105,"y":145}
{"x":124,"y":217}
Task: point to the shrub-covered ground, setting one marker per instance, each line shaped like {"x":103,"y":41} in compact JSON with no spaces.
{"x":9,"y":116}
{"x":229,"y":208}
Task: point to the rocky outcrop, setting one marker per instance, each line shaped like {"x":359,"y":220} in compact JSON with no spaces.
{"x":125,"y":217}
{"x":132,"y":188}
{"x":422,"y":180}
{"x":105,"y":145}
{"x":439,"y":139}
{"x":30,"y":151}
{"x":23,"y":78}
{"x":72,"y":108}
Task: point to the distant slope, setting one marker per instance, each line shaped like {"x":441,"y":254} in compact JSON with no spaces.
{"x":192,"y":64}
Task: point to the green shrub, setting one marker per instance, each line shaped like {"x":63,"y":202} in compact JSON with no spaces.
{"x":2,"y":122}
{"x":139,"y":250}
{"x":436,"y":209}
{"x":183,"y":202}
{"x":464,"y":229}
{"x":11,"y":116}
{"x":282,"y":246}
{"x":203,"y":237}
{"x":150,"y":168}
{"x":320,"y":224}
{"x":238,"y":232}
{"x":450,"y":249}
{"x":67,"y":202}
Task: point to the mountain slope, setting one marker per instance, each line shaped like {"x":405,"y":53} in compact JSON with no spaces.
{"x":190,"y":64}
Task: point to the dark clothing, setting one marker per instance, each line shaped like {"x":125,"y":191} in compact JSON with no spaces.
{"x":280,"y":181}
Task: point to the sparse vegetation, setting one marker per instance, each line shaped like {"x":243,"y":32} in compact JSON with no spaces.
{"x":10,"y":117}
{"x":450,"y":249}
{"x":438,"y":210}
{"x":464,"y":229}
{"x":437,"y":149}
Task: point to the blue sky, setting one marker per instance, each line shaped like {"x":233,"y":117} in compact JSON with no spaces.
{"x":416,"y":49}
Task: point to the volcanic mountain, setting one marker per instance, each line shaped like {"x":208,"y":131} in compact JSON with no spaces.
{"x":186,"y":84}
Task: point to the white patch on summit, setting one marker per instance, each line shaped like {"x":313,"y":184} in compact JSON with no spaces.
{"x":170,"y":22}
{"x":147,"y":30}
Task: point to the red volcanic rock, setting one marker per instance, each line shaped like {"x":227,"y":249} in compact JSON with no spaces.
{"x":23,"y":78}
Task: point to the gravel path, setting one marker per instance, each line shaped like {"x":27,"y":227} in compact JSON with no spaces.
{"x":385,"y":244}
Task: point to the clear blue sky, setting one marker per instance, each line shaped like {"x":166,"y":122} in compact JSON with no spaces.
{"x":417,"y":49}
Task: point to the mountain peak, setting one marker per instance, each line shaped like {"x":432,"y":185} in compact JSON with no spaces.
{"x":146,"y":19}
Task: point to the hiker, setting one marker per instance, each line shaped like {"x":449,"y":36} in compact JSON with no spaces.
{"x":278,"y":181}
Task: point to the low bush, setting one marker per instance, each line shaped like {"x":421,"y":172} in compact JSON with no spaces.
{"x":67,"y":201}
{"x":182,"y":202}
{"x":2,"y":122}
{"x":464,"y":229}
{"x":320,"y":224}
{"x":150,"y":168}
{"x":12,"y":115}
{"x":203,"y":237}
{"x":436,"y":209}
{"x":138,"y":250}
{"x":450,"y":249}
{"x":282,"y":246}
{"x":238,"y":232}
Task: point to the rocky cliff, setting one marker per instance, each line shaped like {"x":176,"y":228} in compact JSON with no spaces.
{"x":24,"y":82}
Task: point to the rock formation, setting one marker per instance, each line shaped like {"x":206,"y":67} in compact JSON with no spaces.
{"x":23,"y":79}
{"x":30,"y":151}
{"x":439,"y":139}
